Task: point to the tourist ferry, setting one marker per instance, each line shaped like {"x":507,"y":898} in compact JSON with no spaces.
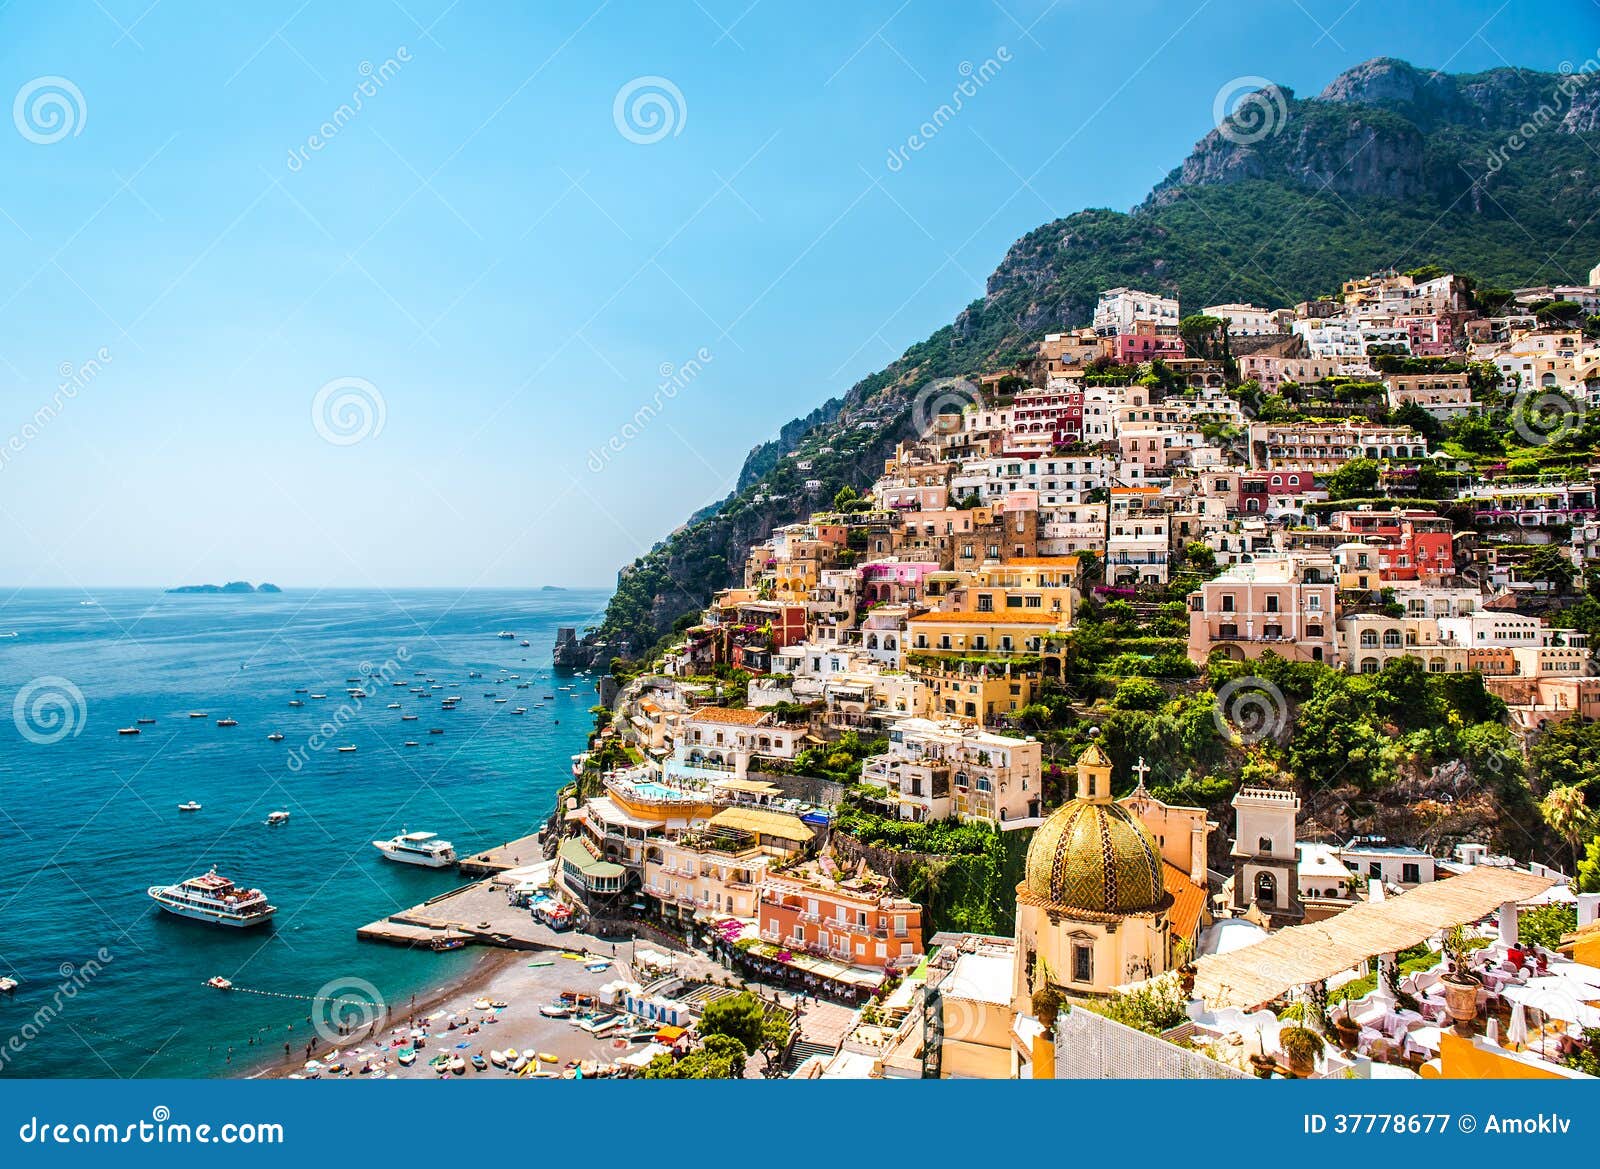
{"x":418,"y":848}
{"x":214,"y":899}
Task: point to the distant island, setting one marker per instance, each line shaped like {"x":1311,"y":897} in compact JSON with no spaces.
{"x":233,"y":586}
{"x":552,"y":589}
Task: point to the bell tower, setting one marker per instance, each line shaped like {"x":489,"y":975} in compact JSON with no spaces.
{"x":1094,"y":776}
{"x":1266,"y":863}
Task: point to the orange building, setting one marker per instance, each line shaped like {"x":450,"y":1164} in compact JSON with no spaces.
{"x":855,"y":920}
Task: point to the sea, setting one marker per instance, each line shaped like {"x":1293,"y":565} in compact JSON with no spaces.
{"x":110,"y":986}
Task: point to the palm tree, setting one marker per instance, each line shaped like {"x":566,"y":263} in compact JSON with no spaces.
{"x":1568,"y":817}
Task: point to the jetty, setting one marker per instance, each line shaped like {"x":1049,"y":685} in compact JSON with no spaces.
{"x":518,"y":853}
{"x":478,"y":914}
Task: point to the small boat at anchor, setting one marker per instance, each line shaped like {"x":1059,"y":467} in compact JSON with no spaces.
{"x":145,"y":722}
{"x":275,"y":737}
{"x":227,"y":722}
{"x":127,"y":730}
{"x":345,"y":750}
{"x":276,"y":818}
{"x":189,"y":806}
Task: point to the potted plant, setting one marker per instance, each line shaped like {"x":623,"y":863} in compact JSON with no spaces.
{"x":1301,"y":1045}
{"x":1346,"y":1031}
{"x":1183,"y":953}
{"x":1459,"y":983}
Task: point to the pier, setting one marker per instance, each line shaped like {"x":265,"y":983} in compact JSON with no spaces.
{"x":525,"y":850}
{"x":479,"y":914}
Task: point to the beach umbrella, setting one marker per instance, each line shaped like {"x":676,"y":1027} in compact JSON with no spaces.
{"x":1517,"y":1028}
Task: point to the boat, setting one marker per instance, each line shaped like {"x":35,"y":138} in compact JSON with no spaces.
{"x":480,"y":1004}
{"x":418,"y":848}
{"x":524,"y":644}
{"x":145,"y":722}
{"x":499,"y":701}
{"x":351,"y":681}
{"x":8,"y":984}
{"x":497,"y":1057}
{"x":407,"y":1056}
{"x":478,"y":1062}
{"x":522,"y":1060}
{"x":436,"y":730}
{"x":393,"y":706}
{"x":441,"y":945}
{"x":408,"y":718}
{"x":299,"y":689}
{"x":457,"y":697}
{"x":547,"y":1057}
{"x":458,"y":1065}
{"x":227,"y":722}
{"x":295,"y":702}
{"x":556,"y":1011}
{"x":345,"y":750}
{"x":277,"y":817}
{"x":504,"y":636}
{"x":520,"y":710}
{"x":215,"y":899}
{"x":190,"y":806}
{"x":275,"y":737}
{"x":410,"y":743}
{"x":219,"y":982}
{"x":197,"y":714}
{"x":127,"y":730}
{"x":319,"y":696}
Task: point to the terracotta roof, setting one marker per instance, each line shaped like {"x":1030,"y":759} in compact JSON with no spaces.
{"x":1188,"y":901}
{"x":730,"y":715}
{"x":1004,"y":617}
{"x":1136,"y":491}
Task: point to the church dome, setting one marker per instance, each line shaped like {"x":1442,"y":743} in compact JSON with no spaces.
{"x":1093,"y":854}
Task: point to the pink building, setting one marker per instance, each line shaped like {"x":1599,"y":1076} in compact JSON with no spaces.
{"x":1042,"y":418}
{"x":1256,"y":488}
{"x":894,"y":582}
{"x":1285,"y":604}
{"x":1146,"y":344}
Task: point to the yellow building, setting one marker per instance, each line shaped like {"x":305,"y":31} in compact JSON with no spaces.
{"x":1099,"y":905}
{"x":1020,"y":632}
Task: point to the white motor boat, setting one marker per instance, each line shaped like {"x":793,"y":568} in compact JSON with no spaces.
{"x":418,"y":848}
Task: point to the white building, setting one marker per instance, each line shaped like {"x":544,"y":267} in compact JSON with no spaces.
{"x":1393,"y":864}
{"x":1119,"y":309}
{"x":935,"y":770}
{"x":1246,"y":320}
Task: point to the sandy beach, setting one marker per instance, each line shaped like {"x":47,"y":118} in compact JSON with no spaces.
{"x":523,"y":980}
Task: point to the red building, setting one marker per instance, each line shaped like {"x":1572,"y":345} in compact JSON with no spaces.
{"x":1256,"y":488}
{"x":1412,"y":545}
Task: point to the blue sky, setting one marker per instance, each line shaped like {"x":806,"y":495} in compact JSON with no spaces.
{"x":490,"y":264}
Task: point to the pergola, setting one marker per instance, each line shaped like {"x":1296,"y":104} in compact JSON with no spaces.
{"x":1302,"y":954}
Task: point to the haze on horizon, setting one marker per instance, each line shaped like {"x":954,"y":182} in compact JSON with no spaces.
{"x":411,"y":352}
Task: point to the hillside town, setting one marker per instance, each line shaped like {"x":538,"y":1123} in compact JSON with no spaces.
{"x":1207,"y":694}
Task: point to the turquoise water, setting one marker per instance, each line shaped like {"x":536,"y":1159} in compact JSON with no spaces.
{"x":88,"y":821}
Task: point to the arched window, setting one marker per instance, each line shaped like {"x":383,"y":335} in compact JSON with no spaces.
{"x":1264,"y":845}
{"x":1267,"y":888}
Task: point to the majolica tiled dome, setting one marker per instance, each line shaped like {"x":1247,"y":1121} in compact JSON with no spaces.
{"x":1095,"y":855}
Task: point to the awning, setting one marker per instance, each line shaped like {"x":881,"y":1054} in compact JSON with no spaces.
{"x":1302,"y":954}
{"x":762,"y":822}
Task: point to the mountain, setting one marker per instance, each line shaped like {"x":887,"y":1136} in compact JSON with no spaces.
{"x":1495,"y":175}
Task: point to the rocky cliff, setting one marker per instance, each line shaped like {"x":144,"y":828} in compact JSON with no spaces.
{"x":1492,"y":174}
